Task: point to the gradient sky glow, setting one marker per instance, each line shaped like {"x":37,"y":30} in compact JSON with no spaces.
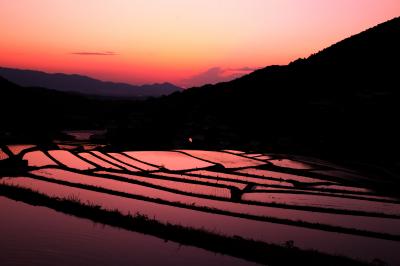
{"x":181,"y":41}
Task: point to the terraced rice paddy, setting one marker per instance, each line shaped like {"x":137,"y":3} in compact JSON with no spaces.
{"x":251,"y":195}
{"x":53,"y":238}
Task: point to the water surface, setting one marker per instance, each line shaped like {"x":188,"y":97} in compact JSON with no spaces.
{"x":32,"y":235}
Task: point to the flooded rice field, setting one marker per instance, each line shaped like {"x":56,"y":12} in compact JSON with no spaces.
{"x":32,"y":235}
{"x":265,"y":197}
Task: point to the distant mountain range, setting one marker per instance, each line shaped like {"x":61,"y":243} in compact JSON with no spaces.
{"x":84,"y":85}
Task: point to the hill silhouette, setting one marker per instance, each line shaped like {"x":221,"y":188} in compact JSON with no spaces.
{"x":84,"y":85}
{"x":341,"y":102}
{"x":34,"y":114}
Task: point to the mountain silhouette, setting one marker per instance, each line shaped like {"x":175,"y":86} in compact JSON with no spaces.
{"x":37,"y":113}
{"x":84,"y":85}
{"x":341,"y":101}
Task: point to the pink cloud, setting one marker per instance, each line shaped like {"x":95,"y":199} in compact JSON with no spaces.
{"x":215,"y":75}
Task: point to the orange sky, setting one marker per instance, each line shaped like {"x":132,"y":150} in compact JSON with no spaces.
{"x":181,"y":41}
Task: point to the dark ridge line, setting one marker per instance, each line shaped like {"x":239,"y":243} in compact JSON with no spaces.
{"x":315,"y":166}
{"x":298,"y":172}
{"x":325,"y":167}
{"x":85,"y":160}
{"x":122,"y":154}
{"x":121,"y":168}
{"x":295,"y":183}
{"x":46,"y":152}
{"x":310,"y":186}
{"x":271,"y":156}
{"x":165,"y":169}
{"x":223,"y":178}
{"x":189,"y":173}
{"x":298,"y":223}
{"x":145,"y":184}
{"x":256,"y":251}
{"x":299,"y":185}
{"x":368,"y":183}
{"x":21,"y":154}
{"x":346,"y":169}
{"x":324,"y":194}
{"x":232,"y":189}
{"x":7,"y":151}
{"x":114,"y":164}
{"x":378,"y":186}
{"x":328,"y":190}
{"x":323,"y":180}
{"x":120,"y":161}
{"x":272,"y":165}
{"x":236,"y":193}
{"x":303,"y":186}
{"x":243,"y":155}
{"x":24,"y":152}
{"x":93,"y":163}
{"x":225,"y":171}
{"x":176,"y":191}
{"x":273,"y":205}
{"x":256,"y":203}
{"x":201,"y":159}
{"x":65,"y":168}
{"x":122,"y":179}
{"x":140,"y":161}
{"x":155,"y":176}
{"x":249,"y":187}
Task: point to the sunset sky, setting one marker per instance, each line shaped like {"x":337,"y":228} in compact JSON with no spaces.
{"x":180,"y":41}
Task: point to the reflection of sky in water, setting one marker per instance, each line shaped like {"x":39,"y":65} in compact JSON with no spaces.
{"x":33,"y":235}
{"x":191,"y":177}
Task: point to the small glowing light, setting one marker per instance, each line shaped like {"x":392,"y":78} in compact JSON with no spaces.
{"x":190,"y":140}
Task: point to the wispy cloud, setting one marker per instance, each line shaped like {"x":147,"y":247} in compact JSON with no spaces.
{"x":215,"y":75}
{"x":107,"y":53}
{"x":243,"y":69}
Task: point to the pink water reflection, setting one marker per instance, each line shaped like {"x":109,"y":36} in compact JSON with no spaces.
{"x":70,"y":160}
{"x":38,"y":159}
{"x":115,"y":162}
{"x":132,"y":162}
{"x":243,"y":178}
{"x":223,"y":158}
{"x":385,"y":225}
{"x":280,"y":175}
{"x":287,"y":163}
{"x":32,"y":235}
{"x":3,"y":155}
{"x":324,"y":202}
{"x":367,"y":248}
{"x":240,"y":186}
{"x":17,"y":149}
{"x":98,"y":161}
{"x":176,"y":185}
{"x":169,"y":159}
